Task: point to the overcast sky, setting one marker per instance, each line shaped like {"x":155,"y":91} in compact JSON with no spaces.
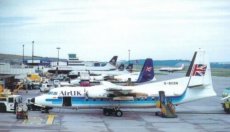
{"x":99,"y":29}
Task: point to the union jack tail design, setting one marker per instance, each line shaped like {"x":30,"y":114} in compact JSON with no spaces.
{"x":199,"y":70}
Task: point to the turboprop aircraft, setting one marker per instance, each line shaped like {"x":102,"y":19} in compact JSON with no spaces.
{"x":197,"y":84}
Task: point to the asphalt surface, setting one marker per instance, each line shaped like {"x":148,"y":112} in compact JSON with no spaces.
{"x":200,"y":116}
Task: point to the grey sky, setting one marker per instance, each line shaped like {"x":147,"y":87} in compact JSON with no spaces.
{"x":99,"y":29}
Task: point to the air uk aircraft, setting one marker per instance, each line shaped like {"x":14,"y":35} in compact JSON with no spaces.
{"x":197,"y":84}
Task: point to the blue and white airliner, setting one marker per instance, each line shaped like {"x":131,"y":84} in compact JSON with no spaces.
{"x":197,"y":84}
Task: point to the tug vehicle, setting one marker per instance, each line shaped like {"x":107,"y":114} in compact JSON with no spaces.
{"x":8,"y":102}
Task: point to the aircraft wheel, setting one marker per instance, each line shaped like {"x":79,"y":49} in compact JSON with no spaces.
{"x":118,"y":113}
{"x":44,"y":110}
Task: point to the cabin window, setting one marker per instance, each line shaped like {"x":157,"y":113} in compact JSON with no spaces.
{"x":94,"y":99}
{"x":101,"y":99}
{"x":55,"y":93}
{"x":86,"y":99}
{"x":96,"y":64}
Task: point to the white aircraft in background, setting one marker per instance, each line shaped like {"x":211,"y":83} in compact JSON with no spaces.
{"x":172,"y":69}
{"x":111,"y":65}
{"x":101,"y":75}
{"x":197,"y":84}
{"x":82,"y":66}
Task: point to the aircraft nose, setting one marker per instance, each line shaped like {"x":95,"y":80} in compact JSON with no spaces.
{"x":33,"y":100}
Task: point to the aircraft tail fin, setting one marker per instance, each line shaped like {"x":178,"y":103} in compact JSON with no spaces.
{"x":121,"y":67}
{"x":200,"y":82}
{"x":113,"y":61}
{"x":199,"y":69}
{"x":191,"y":65}
{"x":147,"y":72}
{"x":129,"y":68}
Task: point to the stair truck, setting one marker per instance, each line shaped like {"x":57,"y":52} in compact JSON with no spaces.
{"x":226,"y":100}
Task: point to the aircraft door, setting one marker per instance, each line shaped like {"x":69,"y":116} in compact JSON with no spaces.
{"x":67,"y":101}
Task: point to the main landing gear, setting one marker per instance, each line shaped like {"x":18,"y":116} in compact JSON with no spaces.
{"x":46,"y":109}
{"x":112,"y":111}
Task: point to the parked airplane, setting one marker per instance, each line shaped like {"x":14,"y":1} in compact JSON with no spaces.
{"x":146,"y":75}
{"x":172,"y":69}
{"x":147,"y":72}
{"x":197,"y":84}
{"x":111,"y":65}
{"x":120,"y":70}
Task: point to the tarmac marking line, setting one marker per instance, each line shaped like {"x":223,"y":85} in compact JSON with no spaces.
{"x":50,"y":119}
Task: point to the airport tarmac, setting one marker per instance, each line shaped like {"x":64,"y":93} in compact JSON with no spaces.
{"x":200,"y":116}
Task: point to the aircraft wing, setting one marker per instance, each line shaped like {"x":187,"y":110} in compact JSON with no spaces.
{"x":123,"y":94}
{"x":113,"y":92}
{"x":106,"y":83}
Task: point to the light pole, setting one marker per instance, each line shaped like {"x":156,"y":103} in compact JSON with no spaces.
{"x":58,"y":48}
{"x":33,"y":52}
{"x":129,"y":55}
{"x":23,"y":54}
